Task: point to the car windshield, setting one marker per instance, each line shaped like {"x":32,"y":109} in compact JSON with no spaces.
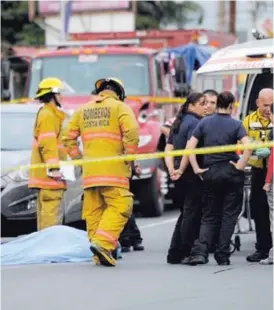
{"x":80,"y":72}
{"x":16,"y":131}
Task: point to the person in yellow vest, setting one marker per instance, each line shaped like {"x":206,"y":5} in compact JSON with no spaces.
{"x":258,"y":126}
{"x":107,"y":127}
{"x":47,"y":148}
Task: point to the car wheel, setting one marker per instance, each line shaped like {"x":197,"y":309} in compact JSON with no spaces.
{"x":151,"y":198}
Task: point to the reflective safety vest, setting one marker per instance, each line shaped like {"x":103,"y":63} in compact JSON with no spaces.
{"x":258,"y":129}
{"x":107,"y":127}
{"x":47,"y":146}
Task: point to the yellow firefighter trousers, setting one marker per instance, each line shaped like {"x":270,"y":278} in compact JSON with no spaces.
{"x":106,"y":210}
{"x":49,"y":212}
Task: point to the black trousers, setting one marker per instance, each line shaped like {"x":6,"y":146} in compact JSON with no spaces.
{"x":223,"y":195}
{"x":130,"y":234}
{"x":179,"y":194}
{"x":186,"y":230}
{"x":260,"y":210}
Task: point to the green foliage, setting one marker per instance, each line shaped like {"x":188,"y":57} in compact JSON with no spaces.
{"x":154,"y":14}
{"x":16,"y":27}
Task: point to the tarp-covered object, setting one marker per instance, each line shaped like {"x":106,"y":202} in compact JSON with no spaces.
{"x":192,"y":52}
{"x":56,"y":244}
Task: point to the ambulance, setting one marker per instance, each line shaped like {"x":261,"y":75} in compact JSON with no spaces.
{"x":253,"y":60}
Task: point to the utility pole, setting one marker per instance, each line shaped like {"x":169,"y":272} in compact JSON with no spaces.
{"x":31,"y":10}
{"x":221,"y":19}
{"x":134,"y":12}
{"x":62,"y":18}
{"x":232,"y":17}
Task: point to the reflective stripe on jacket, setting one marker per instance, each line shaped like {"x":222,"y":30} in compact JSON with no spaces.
{"x":107,"y":127}
{"x":47,"y":146}
{"x":258,"y":129}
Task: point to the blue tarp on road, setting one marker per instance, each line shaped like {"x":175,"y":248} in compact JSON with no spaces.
{"x":192,"y":52}
{"x":57,"y":244}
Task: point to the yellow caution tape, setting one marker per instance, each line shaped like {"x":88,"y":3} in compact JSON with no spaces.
{"x":168,"y":100}
{"x":163,"y":100}
{"x":197,"y":151}
{"x":160,"y":100}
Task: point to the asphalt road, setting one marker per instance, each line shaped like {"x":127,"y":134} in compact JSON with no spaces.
{"x":142,"y":281}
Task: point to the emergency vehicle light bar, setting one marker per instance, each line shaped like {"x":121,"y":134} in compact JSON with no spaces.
{"x":98,"y":43}
{"x":266,"y":55}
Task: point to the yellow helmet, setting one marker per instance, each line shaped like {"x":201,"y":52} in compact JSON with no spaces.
{"x":49,"y":85}
{"x":112,"y":80}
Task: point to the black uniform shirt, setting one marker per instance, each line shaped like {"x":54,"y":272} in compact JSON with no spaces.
{"x":179,"y":140}
{"x":218,"y":130}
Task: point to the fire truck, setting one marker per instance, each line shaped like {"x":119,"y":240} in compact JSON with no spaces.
{"x":145,"y":74}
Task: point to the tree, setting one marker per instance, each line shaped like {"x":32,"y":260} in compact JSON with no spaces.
{"x":154,"y":14}
{"x":16,"y":27}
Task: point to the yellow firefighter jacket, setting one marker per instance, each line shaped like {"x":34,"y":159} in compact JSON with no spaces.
{"x":47,"y":146}
{"x":107,"y":127}
{"x":258,"y":129}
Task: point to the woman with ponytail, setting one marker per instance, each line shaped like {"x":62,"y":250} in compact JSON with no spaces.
{"x":187,"y":186}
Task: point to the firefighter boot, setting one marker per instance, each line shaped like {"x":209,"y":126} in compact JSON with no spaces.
{"x":105,"y":257}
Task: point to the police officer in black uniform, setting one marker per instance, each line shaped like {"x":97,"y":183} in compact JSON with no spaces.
{"x":223,"y":180}
{"x":188,"y":186}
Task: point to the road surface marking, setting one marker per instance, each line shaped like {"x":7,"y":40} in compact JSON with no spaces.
{"x":158,"y":224}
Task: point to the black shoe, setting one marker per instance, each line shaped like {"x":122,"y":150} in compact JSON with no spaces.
{"x":125,"y":249}
{"x":173,"y":260}
{"x":198,"y":260}
{"x":138,"y":246}
{"x":224,"y":263}
{"x":256,"y":257}
{"x":186,"y":261}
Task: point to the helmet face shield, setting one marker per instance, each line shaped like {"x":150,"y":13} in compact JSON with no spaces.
{"x":56,"y":90}
{"x":116,"y":83}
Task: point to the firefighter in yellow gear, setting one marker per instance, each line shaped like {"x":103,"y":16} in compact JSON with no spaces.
{"x":47,"y":148}
{"x":107,"y":127}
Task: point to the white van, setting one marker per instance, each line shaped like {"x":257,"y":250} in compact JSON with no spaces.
{"x":254,"y":58}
